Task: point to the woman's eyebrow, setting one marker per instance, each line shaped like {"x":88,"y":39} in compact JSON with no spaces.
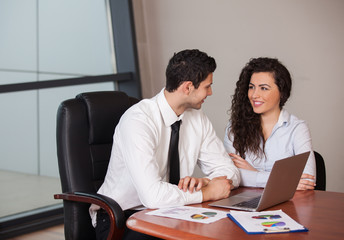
{"x":261,"y":85}
{"x":264,"y":84}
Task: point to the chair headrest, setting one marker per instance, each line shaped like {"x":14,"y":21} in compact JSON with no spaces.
{"x":104,"y":111}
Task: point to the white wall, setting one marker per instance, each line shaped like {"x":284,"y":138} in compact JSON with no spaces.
{"x":307,"y":36}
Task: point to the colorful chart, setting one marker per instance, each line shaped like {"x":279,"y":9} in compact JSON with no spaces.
{"x":273,"y":224}
{"x":209,"y":214}
{"x":203,"y":215}
{"x":198,"y":216}
{"x":267,"y":217}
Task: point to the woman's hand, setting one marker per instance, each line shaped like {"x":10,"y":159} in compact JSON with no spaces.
{"x":192,"y":183}
{"x":239,"y":162}
{"x":306,"y":182}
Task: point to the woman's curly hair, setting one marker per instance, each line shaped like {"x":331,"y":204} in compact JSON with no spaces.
{"x":246,"y":126}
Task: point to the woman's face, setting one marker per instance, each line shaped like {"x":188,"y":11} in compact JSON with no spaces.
{"x":264,"y":94}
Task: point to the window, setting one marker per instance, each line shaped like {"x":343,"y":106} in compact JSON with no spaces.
{"x":51,"y":51}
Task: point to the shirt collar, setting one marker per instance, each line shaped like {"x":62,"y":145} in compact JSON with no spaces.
{"x":168,"y":115}
{"x":283,"y":118}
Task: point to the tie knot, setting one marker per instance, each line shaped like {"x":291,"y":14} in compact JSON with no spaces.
{"x":175,"y":126}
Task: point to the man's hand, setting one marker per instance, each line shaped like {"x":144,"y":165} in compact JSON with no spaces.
{"x":306,"y":182}
{"x":217,"y":188}
{"x":239,"y":162}
{"x":191,"y":183}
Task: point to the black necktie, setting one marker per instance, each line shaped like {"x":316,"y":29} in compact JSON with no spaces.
{"x":173,"y":155}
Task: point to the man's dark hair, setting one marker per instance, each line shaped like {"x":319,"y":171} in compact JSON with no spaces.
{"x":188,"y":65}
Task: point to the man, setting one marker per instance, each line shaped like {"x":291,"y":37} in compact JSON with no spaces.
{"x":139,"y":172}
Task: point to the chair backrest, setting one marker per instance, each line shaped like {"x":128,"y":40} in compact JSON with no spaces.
{"x":321,"y":172}
{"x":85,"y":127}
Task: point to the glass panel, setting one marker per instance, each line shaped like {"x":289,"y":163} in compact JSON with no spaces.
{"x":78,"y":42}
{"x":18,"y":42}
{"x":22,"y":192}
{"x":18,"y":131}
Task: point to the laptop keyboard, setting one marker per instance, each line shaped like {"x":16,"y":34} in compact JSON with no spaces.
{"x":253,"y":203}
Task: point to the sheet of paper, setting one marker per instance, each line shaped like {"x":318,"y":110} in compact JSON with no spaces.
{"x":266,"y":221}
{"x":193,"y":214}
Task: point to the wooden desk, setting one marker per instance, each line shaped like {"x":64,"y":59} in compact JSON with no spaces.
{"x":321,"y":212}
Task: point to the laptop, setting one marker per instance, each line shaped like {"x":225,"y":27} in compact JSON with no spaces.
{"x":280,"y":187}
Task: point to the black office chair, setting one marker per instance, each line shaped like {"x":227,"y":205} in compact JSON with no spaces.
{"x":321,"y":172}
{"x":85,"y":127}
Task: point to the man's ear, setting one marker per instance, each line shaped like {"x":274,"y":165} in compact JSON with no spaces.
{"x":187,"y":87}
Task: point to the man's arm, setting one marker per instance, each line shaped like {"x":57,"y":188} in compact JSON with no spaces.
{"x":215,"y":189}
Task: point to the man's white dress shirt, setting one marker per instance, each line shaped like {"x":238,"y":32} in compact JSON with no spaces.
{"x":138,"y":171}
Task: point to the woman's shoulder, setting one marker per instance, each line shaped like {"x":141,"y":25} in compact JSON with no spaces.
{"x":294,"y":122}
{"x":291,"y":118}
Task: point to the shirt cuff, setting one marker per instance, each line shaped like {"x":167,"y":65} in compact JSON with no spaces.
{"x":253,"y":178}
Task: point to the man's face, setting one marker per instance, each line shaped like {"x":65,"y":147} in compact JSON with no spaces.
{"x":197,"y":96}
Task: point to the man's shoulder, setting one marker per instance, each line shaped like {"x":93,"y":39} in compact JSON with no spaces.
{"x":145,"y":106}
{"x":142,"y":110}
{"x":196,"y":117}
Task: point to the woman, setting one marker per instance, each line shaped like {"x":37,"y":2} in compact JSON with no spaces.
{"x":260,"y":131}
